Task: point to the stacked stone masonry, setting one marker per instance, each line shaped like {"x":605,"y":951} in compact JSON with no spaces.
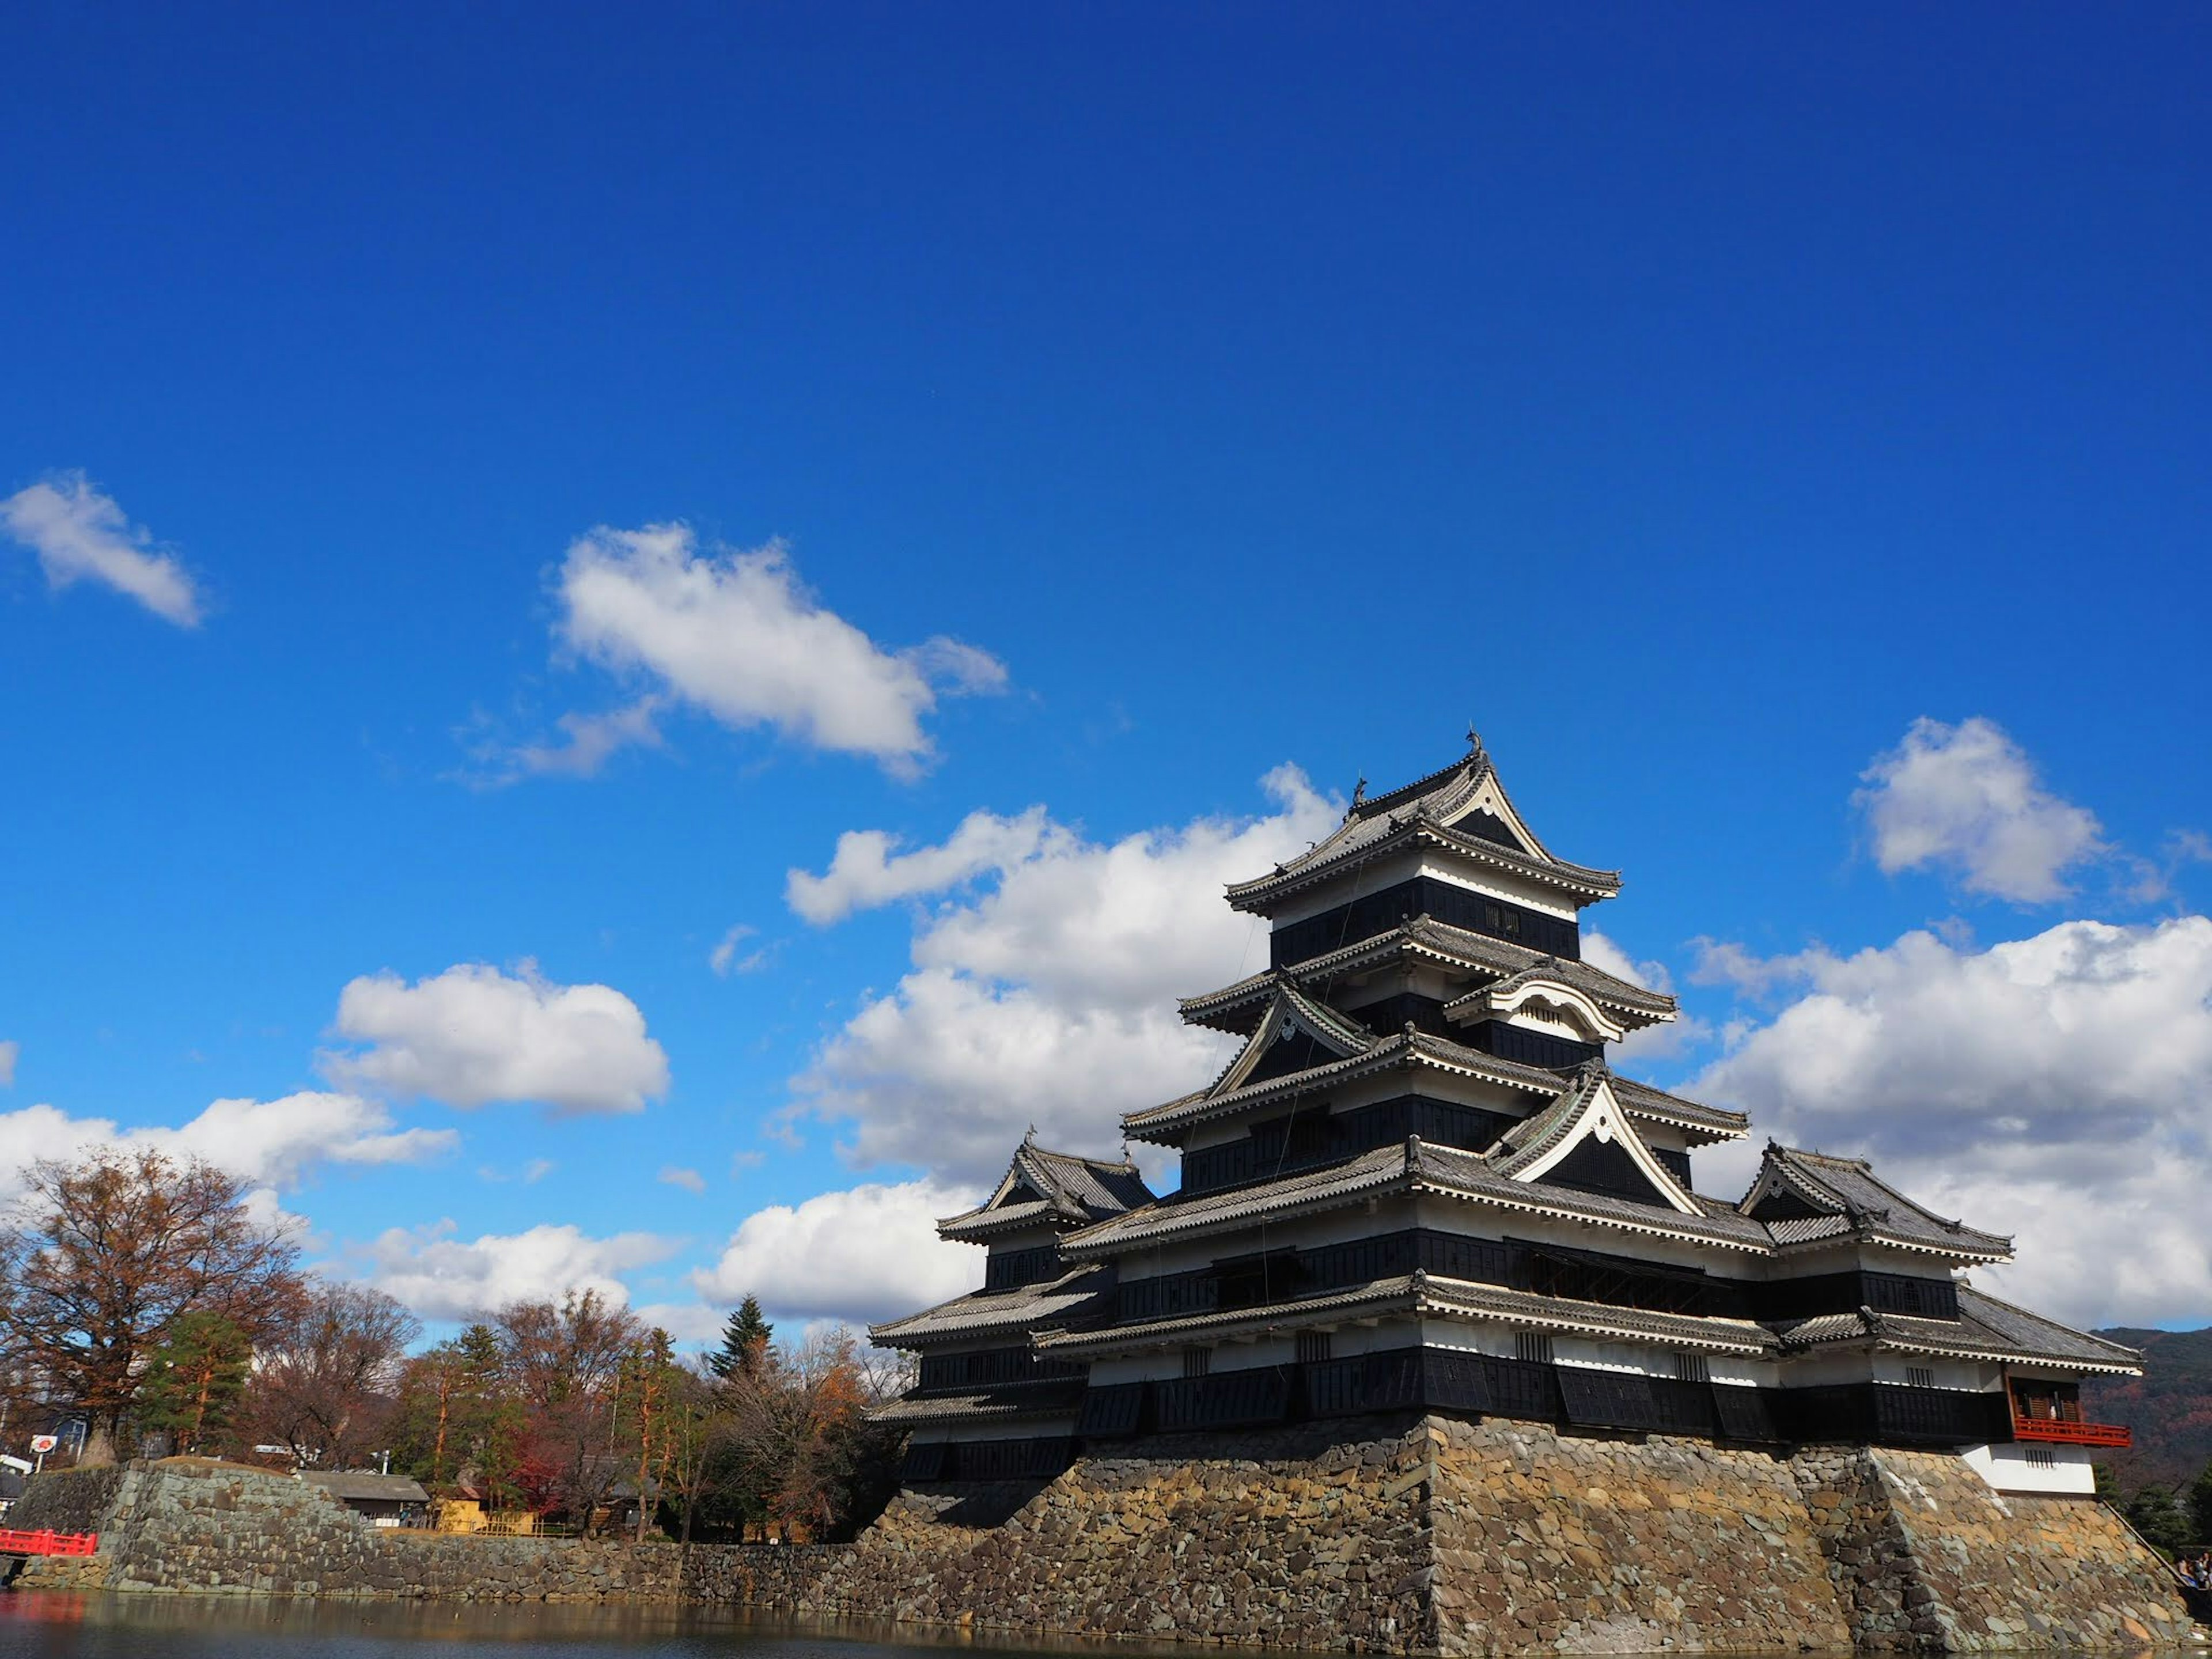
{"x":1427,"y":1536}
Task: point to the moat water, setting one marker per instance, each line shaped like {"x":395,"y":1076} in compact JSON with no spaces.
{"x":35,"y":1625}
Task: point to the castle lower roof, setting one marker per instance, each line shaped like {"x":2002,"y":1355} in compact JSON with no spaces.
{"x":1008,"y":1403}
{"x":1043,"y":1187}
{"x":1422,"y":1294}
{"x":1986,"y":1329}
{"x":1848,"y":1200}
{"x":1080,"y":1293}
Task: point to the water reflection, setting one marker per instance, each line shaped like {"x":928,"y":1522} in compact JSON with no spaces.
{"x":36,"y":1625}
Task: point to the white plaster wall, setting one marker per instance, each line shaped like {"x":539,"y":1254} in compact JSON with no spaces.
{"x":1341,"y":889}
{"x":1028,"y":1428}
{"x":2007,"y":1468}
{"x":1494,"y":884}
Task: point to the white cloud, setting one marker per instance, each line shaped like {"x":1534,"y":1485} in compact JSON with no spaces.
{"x":472,"y":1034}
{"x":1050,"y":999}
{"x":80,"y":534}
{"x":589,"y":741}
{"x":690,"y":1180}
{"x":264,"y":1143}
{"x":1966,"y":799}
{"x":866,"y":1253}
{"x":736,"y":635}
{"x":441,"y":1276}
{"x":536,"y":1169}
{"x":864,"y":873}
{"x":724,"y":958}
{"x":8,"y":1053}
{"x":2051,"y":1087}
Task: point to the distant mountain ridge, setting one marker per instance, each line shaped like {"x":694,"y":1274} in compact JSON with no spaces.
{"x":2169,"y":1406}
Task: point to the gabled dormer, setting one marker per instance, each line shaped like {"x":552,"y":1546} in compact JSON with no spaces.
{"x":1584,"y":1140}
{"x":1295,"y":1034}
{"x":1042,"y":1195}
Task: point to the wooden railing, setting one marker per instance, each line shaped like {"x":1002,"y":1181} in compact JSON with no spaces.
{"x":2071,"y":1434}
{"x":48,"y":1543}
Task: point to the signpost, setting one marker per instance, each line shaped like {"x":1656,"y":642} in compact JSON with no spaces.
{"x":43,"y":1443}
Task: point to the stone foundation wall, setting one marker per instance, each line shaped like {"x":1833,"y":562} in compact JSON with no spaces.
{"x":1418,"y":1536}
{"x":207,"y":1528}
{"x":1931,"y":1559}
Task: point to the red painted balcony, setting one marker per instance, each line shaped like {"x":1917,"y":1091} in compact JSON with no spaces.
{"x":2058,"y":1431}
{"x":48,"y":1543}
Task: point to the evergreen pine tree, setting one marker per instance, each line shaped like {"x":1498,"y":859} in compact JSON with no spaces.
{"x":2200,"y":1507}
{"x":195,"y":1379}
{"x":2154,"y":1513}
{"x":745,"y":1340}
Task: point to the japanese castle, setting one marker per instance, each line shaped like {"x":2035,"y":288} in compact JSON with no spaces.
{"x":1420,"y":1187}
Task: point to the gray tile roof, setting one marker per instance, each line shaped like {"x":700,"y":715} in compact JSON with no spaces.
{"x":1056,"y":1397}
{"x":1426,"y":938}
{"x":1417,"y":812}
{"x":1856,"y":1203}
{"x":1080,"y":1293}
{"x":367,"y":1486}
{"x":1066,"y":1187}
{"x":1986,"y":1328}
{"x":1425,"y":1294}
{"x":1414,"y":1165}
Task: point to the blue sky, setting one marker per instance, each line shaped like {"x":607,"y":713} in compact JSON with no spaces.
{"x":1695,"y":398}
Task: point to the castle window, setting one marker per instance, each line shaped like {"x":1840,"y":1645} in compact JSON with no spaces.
{"x":1197,"y":1362}
{"x":1534,"y":1346}
{"x":1692,"y":1368}
{"x":1919,"y":1376}
{"x":2041,"y":1457}
{"x":1313,"y":1347}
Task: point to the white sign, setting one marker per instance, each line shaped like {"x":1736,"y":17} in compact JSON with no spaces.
{"x":43,"y":1443}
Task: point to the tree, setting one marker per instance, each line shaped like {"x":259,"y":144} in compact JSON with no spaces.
{"x":324,"y":1382}
{"x":192,"y":1388}
{"x":802,"y":1452}
{"x":113,"y":1248}
{"x":2154,"y":1513}
{"x":563,"y":1366}
{"x":445,"y":1417}
{"x":744,"y":1341}
{"x":2200,"y":1507}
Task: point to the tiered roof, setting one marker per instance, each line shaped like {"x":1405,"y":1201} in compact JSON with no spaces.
{"x":1237,"y":1007}
{"x":1808,"y":1198}
{"x":1082,"y":1292}
{"x":1462,"y":808}
{"x":1055,"y":1189}
{"x":1986,"y":1329}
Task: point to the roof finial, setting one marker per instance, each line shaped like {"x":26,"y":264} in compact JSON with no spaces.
{"x":1359,"y":791}
{"x":1474,"y":738}
{"x":1030,"y":1139}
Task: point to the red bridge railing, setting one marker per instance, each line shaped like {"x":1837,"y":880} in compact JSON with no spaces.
{"x":2070,"y":1434}
{"x":48,"y":1543}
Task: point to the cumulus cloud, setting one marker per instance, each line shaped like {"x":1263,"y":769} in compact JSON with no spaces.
{"x":473,"y":1035}
{"x":690,"y":1180}
{"x":441,"y":1275}
{"x":1050,"y":998}
{"x":1966,"y":799}
{"x":736,"y":635}
{"x":81,"y":535}
{"x":864,"y":873}
{"x":264,"y":1143}
{"x":2050,"y":1087}
{"x":864,"y":1253}
{"x":9,"y":1052}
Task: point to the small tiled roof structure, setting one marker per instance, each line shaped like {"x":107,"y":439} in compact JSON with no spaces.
{"x":1986,"y":1329}
{"x":1435,"y":810}
{"x":1062,"y":1188}
{"x":1078,"y":1294}
{"x":1008,"y":1403}
{"x":1810,"y":1197}
{"x":367,"y":1486}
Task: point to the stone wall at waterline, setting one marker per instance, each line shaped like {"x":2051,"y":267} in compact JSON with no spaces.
{"x":211,"y":1528}
{"x":1932,"y":1560}
{"x":1420,"y":1536}
{"x":1510,"y":1538}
